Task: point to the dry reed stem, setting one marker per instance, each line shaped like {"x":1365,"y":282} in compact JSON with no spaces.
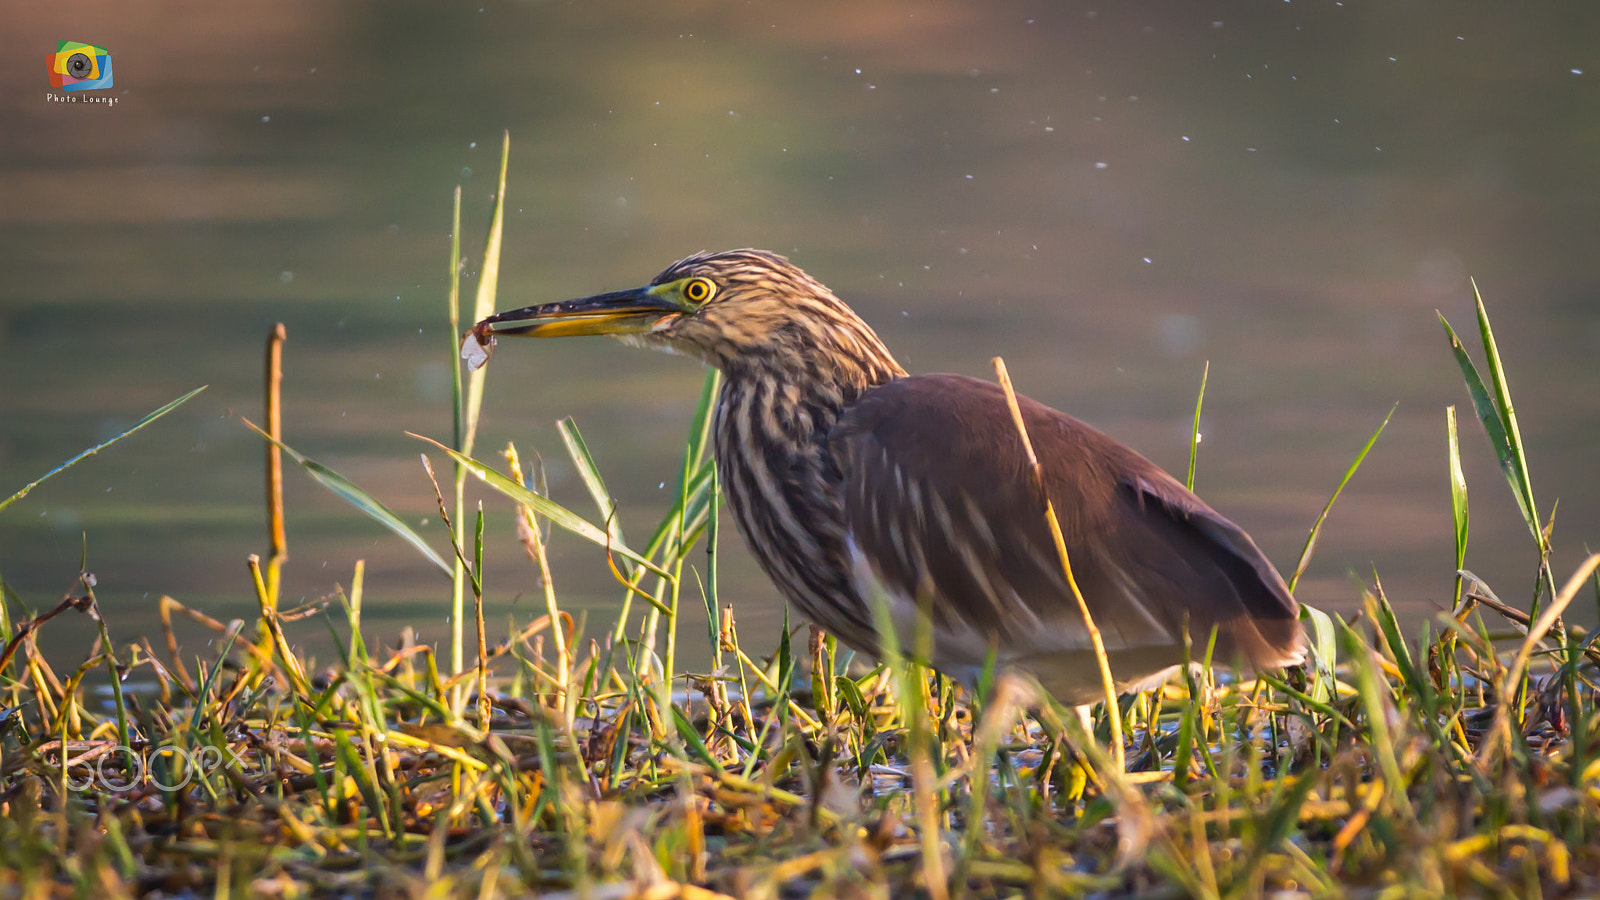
{"x":278,"y":541}
{"x":1118,"y":752}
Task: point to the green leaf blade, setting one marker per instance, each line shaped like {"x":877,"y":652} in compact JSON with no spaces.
{"x":1324,"y":651}
{"x":589,"y":473}
{"x":1521,"y":481}
{"x":1483,"y":405}
{"x":1194,"y":435}
{"x":544,"y":506}
{"x":1458,"y":487}
{"x":488,"y":286}
{"x":348,"y":491}
{"x":1316,"y":527}
{"x":28,"y":488}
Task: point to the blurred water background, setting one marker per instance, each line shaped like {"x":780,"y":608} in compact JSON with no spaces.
{"x":1107,"y":194}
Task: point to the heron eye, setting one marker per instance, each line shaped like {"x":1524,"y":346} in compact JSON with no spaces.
{"x":699,"y":290}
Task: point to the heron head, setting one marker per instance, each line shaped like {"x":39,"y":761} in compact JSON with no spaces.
{"x":720,"y":307}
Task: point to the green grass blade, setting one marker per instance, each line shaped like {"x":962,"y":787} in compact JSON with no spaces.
{"x":1489,"y":415}
{"x":695,"y":515}
{"x":698,"y":493}
{"x":1324,"y":651}
{"x":1458,"y":495}
{"x":699,"y":449}
{"x":693,"y":742}
{"x":204,"y":695}
{"x":1316,"y":527}
{"x":1194,"y":436}
{"x":26,"y":489}
{"x":458,"y":421}
{"x":488,"y":285}
{"x":1381,"y":611}
{"x":590,"y":474}
{"x":556,"y":513}
{"x":457,"y":408}
{"x":7,"y":597}
{"x":347,"y":490}
{"x":1373,"y":691}
{"x":1523,"y":485}
{"x":708,"y":590}
{"x":468,"y":409}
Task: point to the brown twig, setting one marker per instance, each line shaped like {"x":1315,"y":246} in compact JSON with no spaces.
{"x":274,"y":415}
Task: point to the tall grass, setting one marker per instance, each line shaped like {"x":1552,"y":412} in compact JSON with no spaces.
{"x":587,"y":763}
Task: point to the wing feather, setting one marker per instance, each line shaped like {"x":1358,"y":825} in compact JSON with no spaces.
{"x":942,"y":509}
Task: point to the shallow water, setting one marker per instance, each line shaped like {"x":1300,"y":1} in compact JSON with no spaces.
{"x":1107,"y":196}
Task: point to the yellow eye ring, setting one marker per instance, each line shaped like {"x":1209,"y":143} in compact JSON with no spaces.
{"x":698,"y":290}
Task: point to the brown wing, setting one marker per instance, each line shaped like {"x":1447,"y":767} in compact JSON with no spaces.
{"x":941,"y":505}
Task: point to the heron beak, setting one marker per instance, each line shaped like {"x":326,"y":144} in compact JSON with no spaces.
{"x":636,"y":311}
